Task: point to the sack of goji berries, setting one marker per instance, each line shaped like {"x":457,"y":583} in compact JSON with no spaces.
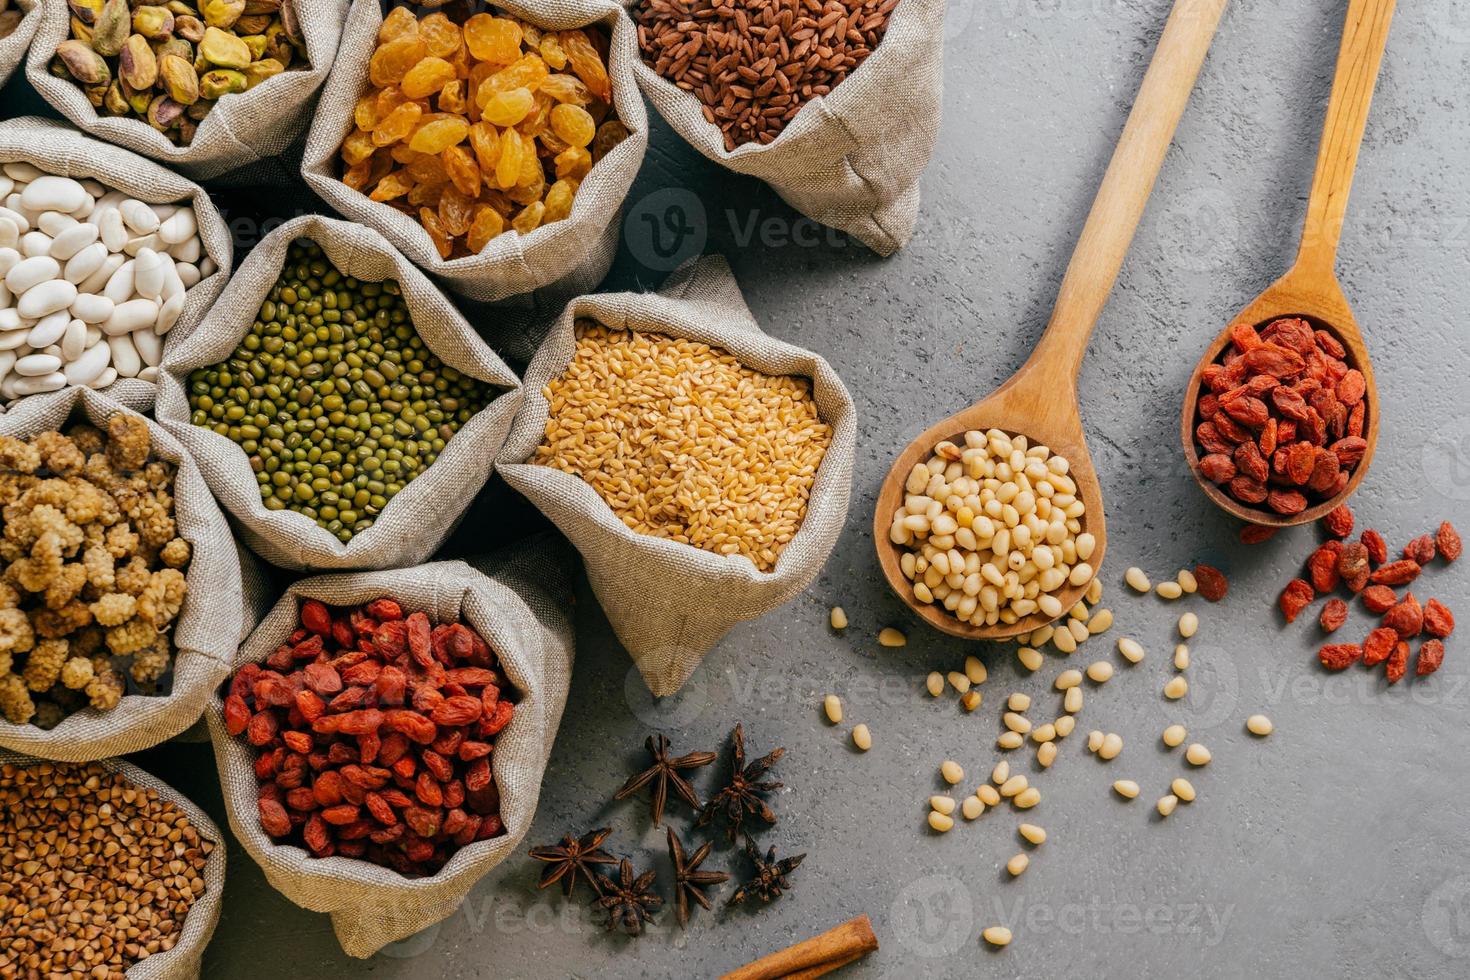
{"x":517,"y":603}
{"x":182,"y":960}
{"x":669,"y":602}
{"x":413,"y":523}
{"x":25,"y":15}
{"x":850,"y":158}
{"x":555,"y":260}
{"x":198,"y":642}
{"x":241,"y":128}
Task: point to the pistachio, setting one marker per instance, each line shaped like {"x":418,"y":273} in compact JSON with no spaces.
{"x":186,"y":129}
{"x":179,"y":9}
{"x":222,"y":13}
{"x":136,"y":64}
{"x":96,"y":94}
{"x":113,"y":26}
{"x":82,"y":63}
{"x":154,"y":23}
{"x":175,"y":46}
{"x":82,"y":32}
{"x":224,"y":50}
{"x":179,"y":79}
{"x":252,"y":24}
{"x":85,"y":11}
{"x":115,"y":102}
{"x":221,"y":82}
{"x":199,"y":109}
{"x":189,"y":27}
{"x":164,"y":113}
{"x":292,"y":24}
{"x":138,"y":99}
{"x":262,"y":6}
{"x":278,"y":45}
{"x":258,"y":71}
{"x":256,"y":43}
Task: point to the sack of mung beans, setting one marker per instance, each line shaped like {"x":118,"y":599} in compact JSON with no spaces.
{"x":519,"y":601}
{"x":240,"y":129}
{"x":302,"y":506}
{"x":52,"y":147}
{"x":553,"y":262}
{"x":204,"y":634}
{"x":849,"y":154}
{"x":18,"y":20}
{"x":182,"y":960}
{"x":720,"y":467}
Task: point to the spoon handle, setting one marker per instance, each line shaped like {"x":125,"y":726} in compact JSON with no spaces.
{"x":1126,"y":187}
{"x":1364,"y":36}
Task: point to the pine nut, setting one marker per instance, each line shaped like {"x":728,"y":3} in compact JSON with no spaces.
{"x":972,"y":807}
{"x":832,"y":704}
{"x":1078,"y":611}
{"x":1001,"y":772}
{"x":1094,"y":740}
{"x":951,"y":771}
{"x":988,"y":795}
{"x":940,"y":822}
{"x":1099,"y":672}
{"x":1066,"y":723}
{"x":1027,"y":798}
{"x":935,"y":683}
{"x":1188,"y":582}
{"x":997,"y":935}
{"x":1169,"y":590}
{"x":958,"y":681}
{"x":1167,"y":804}
{"x":839,"y":618}
{"x":1181,"y":657}
{"x":1010,"y":740}
{"x":1046,"y":754}
{"x":1188,"y":625}
{"x":890,"y":637}
{"x":1016,"y":723}
{"x":1125,"y":788}
{"x":1197,"y":755}
{"x":1068,"y":679}
{"x":1032,"y":833}
{"x":862,"y":738}
{"x":1112,"y":744}
{"x":971,"y":700}
{"x":1183,"y":789}
{"x":1259,"y":725}
{"x":1137,"y":580}
{"x":1131,"y":650}
{"x":1018,"y":701}
{"x":1176,"y":688}
{"x":1013,"y":785}
{"x":1094,"y":591}
{"x":1040,"y":637}
{"x":1018,"y":864}
{"x":975,"y":670}
{"x":1079,"y":631}
{"x":1030,"y":659}
{"x":944,"y":804}
{"x":1100,"y":622}
{"x":1072,"y":700}
{"x":1064,"y":641}
{"x":1174,"y":736}
{"x":1044,"y":733}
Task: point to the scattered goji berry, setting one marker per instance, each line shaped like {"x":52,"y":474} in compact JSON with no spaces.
{"x":1339,"y":521}
{"x":1338,"y":656}
{"x":1353,"y":566}
{"x":1431,"y":655}
{"x":1379,"y":598}
{"x":1379,"y":645}
{"x":1448,"y":542}
{"x":1257,"y":533}
{"x":1334,"y":614}
{"x":1400,"y":572}
{"x":1398,"y":662}
{"x":1421,"y":550}
{"x":1297,"y":595}
{"x":1322,"y":566}
{"x":1406,"y":618}
{"x":1438,"y":620}
{"x":1377,"y":547}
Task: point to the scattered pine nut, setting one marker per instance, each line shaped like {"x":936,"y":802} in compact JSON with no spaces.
{"x":975,"y":670}
{"x":1010,"y":740}
{"x":1169,"y":590}
{"x":1032,"y":833}
{"x":862,"y":738}
{"x":1094,"y":591}
{"x":1044,"y":733}
{"x":1099,"y":672}
{"x":1027,"y":798}
{"x":1167,"y":804}
{"x":1174,"y":736}
{"x":944,"y":804}
{"x":1068,"y":679}
{"x":1176,"y":688}
{"x":1018,"y":864}
{"x":1197,"y":755}
{"x":988,"y":795}
{"x":1072,"y":700}
{"x":832,"y":705}
{"x":1125,"y":788}
{"x":1046,"y":754}
{"x":951,"y":771}
{"x":972,"y":807}
{"x":1137,"y":580}
{"x":1001,"y":772}
{"x":1181,"y":657}
{"x":1183,"y":789}
{"x":1187,"y":582}
{"x":1079,"y":631}
{"x":1094,"y":740}
{"x":1042,"y":636}
{"x":1013,"y":786}
{"x":1259,"y":725}
{"x":839,"y":618}
{"x":1131,"y":650}
{"x":958,"y":681}
{"x":1078,"y":612}
{"x":1066,"y":723}
{"x":1100,"y":622}
{"x":1064,"y":641}
{"x":1030,"y":659}
{"x":997,"y":935}
{"x":940,"y":822}
{"x":890,"y":637}
{"x":1112,"y":744}
{"x":1016,"y":723}
{"x":971,"y":700}
{"x":1018,"y":701}
{"x":935,"y":683}
{"x":1188,"y":625}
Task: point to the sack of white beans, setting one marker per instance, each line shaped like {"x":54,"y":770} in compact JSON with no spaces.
{"x":240,"y":129}
{"x":850,"y":158}
{"x":669,"y":602}
{"x":417,"y":520}
{"x":519,"y":600}
{"x":18,"y":21}
{"x":557,"y":260}
{"x":102,"y":254}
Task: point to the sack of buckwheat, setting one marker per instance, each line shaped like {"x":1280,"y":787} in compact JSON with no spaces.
{"x":836,"y":105}
{"x":701,"y":466}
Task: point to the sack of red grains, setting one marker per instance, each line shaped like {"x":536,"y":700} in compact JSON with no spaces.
{"x":382,"y":743}
{"x":149,"y":657}
{"x":720,"y":517}
{"x":835,"y":104}
{"x":168,"y":877}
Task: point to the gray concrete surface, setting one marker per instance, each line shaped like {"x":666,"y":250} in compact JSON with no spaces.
{"x":1336,"y":848}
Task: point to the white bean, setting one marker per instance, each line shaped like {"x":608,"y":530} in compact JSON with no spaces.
{"x":179,"y":227}
{"x":135,"y":314}
{"x":138,"y":216}
{"x":31,"y":272}
{"x":46,"y":298}
{"x":87,"y":367}
{"x":148,"y":274}
{"x":37,"y":365}
{"x":92,"y":308}
{"x":73,"y":340}
{"x":150,"y":349}
{"x":107,"y":378}
{"x":50,"y":193}
{"x":85,"y":262}
{"x":35,"y":386}
{"x":125,"y":356}
{"x":73,"y":240}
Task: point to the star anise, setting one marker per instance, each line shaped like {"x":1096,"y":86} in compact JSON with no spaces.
{"x":689,"y":881}
{"x":769,"y":880}
{"x":628,"y":902}
{"x":743,"y":794}
{"x":573,"y":857}
{"x":664,"y":773}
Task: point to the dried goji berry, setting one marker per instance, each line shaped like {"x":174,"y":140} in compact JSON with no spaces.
{"x":301,"y":798}
{"x":1377,"y":547}
{"x":391,"y":685}
{"x":1421,"y":550}
{"x":361,"y":722}
{"x":364,"y":674}
{"x":1257,"y":533}
{"x":1217,"y":467}
{"x":1353,"y":566}
{"x":1230,"y":430}
{"x":456,"y":711}
{"x":310,"y":705}
{"x":273,"y":818}
{"x":1330,"y":345}
{"x":341,"y":814}
{"x":1438,"y":620}
{"x":380,"y":810}
{"x":470,"y":751}
{"x":1379,"y":598}
{"x":1400,"y":572}
{"x":1448,"y":541}
{"x":437,"y":765}
{"x":261,"y":728}
{"x":1339,"y":521}
{"x":1208,"y":436}
{"x":384,"y":610}
{"x":1297,"y":595}
{"x":1275,"y":360}
{"x":419,"y":647}
{"x":1406,"y":618}
{"x":316,"y":835}
{"x":1431,"y":655}
{"x":1379,"y":645}
{"x":1248,"y":491}
{"x":391,"y":640}
{"x":322,"y":678}
{"x":348,"y":699}
{"x":428,"y":790}
{"x":1286,"y":501}
{"x":1334,"y":614}
{"x":237,"y":714}
{"x":1337,"y":656}
{"x":1322,"y":566}
{"x":297,"y":741}
{"x":1249,"y":462}
{"x":316,"y":617}
{"x":1398,"y":662}
{"x":494,"y":722}
{"x":1350,"y":450}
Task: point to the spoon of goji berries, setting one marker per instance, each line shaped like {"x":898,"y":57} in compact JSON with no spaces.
{"x":1281,"y":415}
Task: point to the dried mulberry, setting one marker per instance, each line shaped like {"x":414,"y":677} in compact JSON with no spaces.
{"x":151,"y":663}
{"x":122,"y":541}
{"x":114,"y":609}
{"x":128,"y":442}
{"x":59,"y":454}
{"x":76,"y":673}
{"x":43,"y":666}
{"x":100,"y":566}
{"x":18,"y":455}
{"x":16,"y":635}
{"x":163,"y":597}
{"x":175,"y":554}
{"x":133,"y":577}
{"x":105,"y":690}
{"x":15,"y":700}
{"x":130,"y":637}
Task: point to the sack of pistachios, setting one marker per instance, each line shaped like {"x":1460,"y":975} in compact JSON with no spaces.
{"x":360,"y":445}
{"x":382,"y":860}
{"x":701,"y":466}
{"x":204,"y":86}
{"x":18,"y":20}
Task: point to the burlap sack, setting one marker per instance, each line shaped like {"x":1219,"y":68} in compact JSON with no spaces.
{"x":670,"y":602}
{"x":239,"y":131}
{"x":59,"y":149}
{"x":183,"y":961}
{"x":415,"y":522}
{"x":853,"y":158}
{"x":520,"y":602}
{"x":557,"y":260}
{"x":206,"y":633}
{"x":13,"y":48}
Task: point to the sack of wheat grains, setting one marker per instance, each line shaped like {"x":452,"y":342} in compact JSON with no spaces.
{"x":418,"y":519}
{"x":668,"y":601}
{"x":519,"y":601}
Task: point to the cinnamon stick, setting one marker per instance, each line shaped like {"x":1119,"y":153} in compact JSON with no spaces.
{"x":813,"y":957}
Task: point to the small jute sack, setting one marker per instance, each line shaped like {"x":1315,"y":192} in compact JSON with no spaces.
{"x":555,"y":261}
{"x":59,"y":149}
{"x":422,"y":515}
{"x":206,"y":632}
{"x":519,"y":600}
{"x":851,"y":159}
{"x":183,"y":961}
{"x":239,"y":131}
{"x":670,"y":602}
{"x":14,"y":46}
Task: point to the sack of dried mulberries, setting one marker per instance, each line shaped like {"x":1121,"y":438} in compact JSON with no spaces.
{"x":841,"y":125}
{"x":234,"y":114}
{"x":519,"y":602}
{"x":698,"y":498}
{"x":122,"y":603}
{"x":18,"y":20}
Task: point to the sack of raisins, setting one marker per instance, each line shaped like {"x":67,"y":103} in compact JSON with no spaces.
{"x":13,"y":46}
{"x":852,"y":158}
{"x":202,"y":636}
{"x":240,"y":129}
{"x":413,"y":523}
{"x":519,"y":603}
{"x":434,"y":221}
{"x":670,"y":602}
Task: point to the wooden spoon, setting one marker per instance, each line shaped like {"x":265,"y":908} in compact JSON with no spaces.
{"x":1040,"y":400}
{"x":1310,"y":289}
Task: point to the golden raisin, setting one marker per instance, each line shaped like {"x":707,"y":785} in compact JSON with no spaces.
{"x":485,"y":141}
{"x":587,"y":63}
{"x":440,"y":34}
{"x":508,"y":108}
{"x":427,"y":77}
{"x":436,"y":136}
{"x":493,"y":39}
{"x":397,"y":124}
{"x":460,"y":165}
{"x":399,"y":22}
{"x":552,"y":53}
{"x":529,"y":219}
{"x":357,"y":147}
{"x":528,"y":73}
{"x":508,"y":166}
{"x":451,"y":98}
{"x":573,"y":124}
{"x":574,"y":162}
{"x":396,"y":184}
{"x":456,"y":210}
{"x":437,"y":235}
{"x":487,"y":224}
{"x":394,"y":60}
{"x":567,"y":88}
{"x":609,"y":135}
{"x":559,"y":200}
{"x":365,"y":113}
